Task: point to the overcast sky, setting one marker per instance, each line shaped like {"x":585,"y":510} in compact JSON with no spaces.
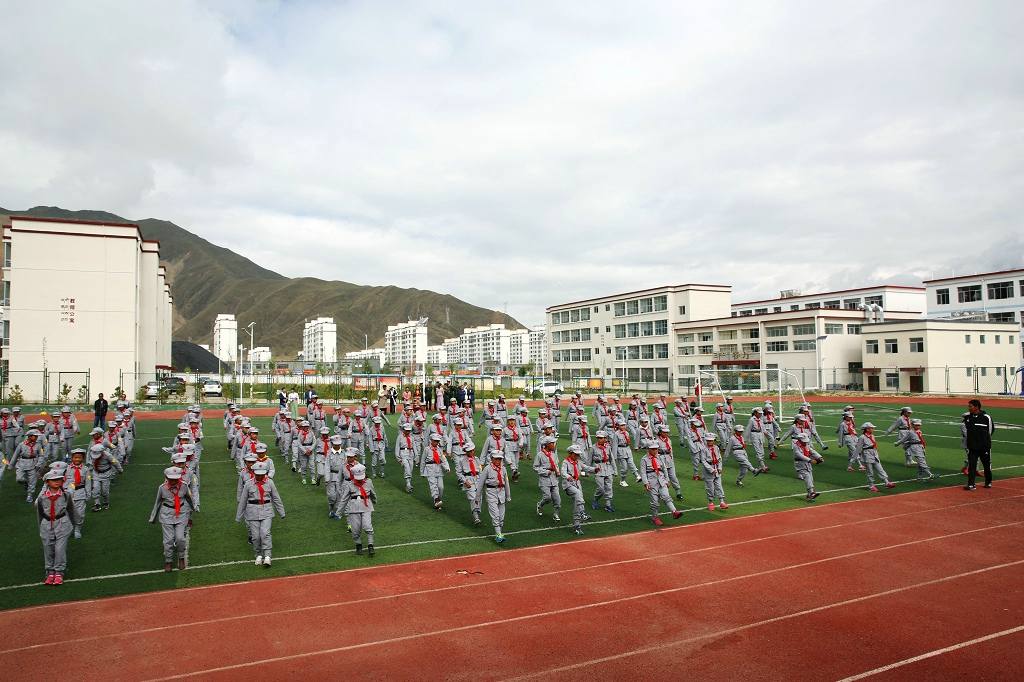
{"x":527,"y":154}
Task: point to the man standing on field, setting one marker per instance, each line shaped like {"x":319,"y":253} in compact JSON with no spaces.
{"x":979,"y":428}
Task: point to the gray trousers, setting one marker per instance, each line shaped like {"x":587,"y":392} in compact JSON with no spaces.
{"x":604,"y":489}
{"x":259,"y":531}
{"x":549,"y":495}
{"x":174,"y":538}
{"x":916,"y":453}
{"x":496,"y":507}
{"x":853,"y":458}
{"x":358,"y":441}
{"x":474,"y":499}
{"x":874,"y":468}
{"x":405,"y":459}
{"x":575,"y":493}
{"x":624,"y":462}
{"x":713,"y":486}
{"x":659,"y":493}
{"x":333,"y":494}
{"x":304,"y":466}
{"x":807,"y":476}
{"x":436,"y":485}
{"x":100,"y":490}
{"x":757,"y":441}
{"x":79,"y":502}
{"x":377,"y":456}
{"x":68,"y":443}
{"x":28,"y":474}
{"x":55,"y":544}
{"x":744,"y":464}
{"x":10,"y":442}
{"x":360,"y":522}
{"x":670,"y":470}
{"x":772,"y":444}
{"x":695,"y":460}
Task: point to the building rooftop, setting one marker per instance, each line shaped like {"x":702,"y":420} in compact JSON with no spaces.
{"x":974,"y":276}
{"x":653,"y":290}
{"x":877,"y":287}
{"x":845,"y":313}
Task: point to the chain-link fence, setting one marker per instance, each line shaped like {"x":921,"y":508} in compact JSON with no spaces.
{"x":45,"y":387}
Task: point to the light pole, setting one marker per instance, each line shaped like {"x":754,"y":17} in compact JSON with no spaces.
{"x":252,"y":345}
{"x":238,"y":371}
{"x":817,"y":352}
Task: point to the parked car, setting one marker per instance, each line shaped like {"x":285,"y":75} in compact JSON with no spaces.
{"x":153,"y":389}
{"x":550,"y":388}
{"x":175,"y":385}
{"x":213,"y":387}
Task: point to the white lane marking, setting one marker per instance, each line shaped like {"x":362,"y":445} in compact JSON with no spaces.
{"x":469,"y":538}
{"x":932,"y":654}
{"x":607,"y":602}
{"x":484,"y":583}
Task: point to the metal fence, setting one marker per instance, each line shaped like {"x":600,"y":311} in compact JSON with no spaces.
{"x":45,"y":387}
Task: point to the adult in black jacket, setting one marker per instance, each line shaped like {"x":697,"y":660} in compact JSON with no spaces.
{"x":99,"y":413}
{"x":978,"y":430}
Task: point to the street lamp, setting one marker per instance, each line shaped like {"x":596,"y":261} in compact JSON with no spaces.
{"x":817,"y":352}
{"x":252,"y":346}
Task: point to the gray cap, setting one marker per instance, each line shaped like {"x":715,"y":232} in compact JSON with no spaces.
{"x":459,"y":422}
{"x":600,"y":433}
{"x":249,"y":458}
{"x":59,"y":466}
{"x":359,"y":472}
{"x":378,"y":420}
{"x":574,"y":449}
{"x":96,"y":431}
{"x":469,"y":447}
{"x":324,"y":431}
{"x":260,"y":469}
{"x":172,"y":473}
{"x":179,"y":458}
{"x":435,"y":436}
{"x":915,"y":422}
{"x":97,"y":448}
{"x":261,"y":447}
{"x":709,"y":436}
{"x":77,"y":451}
{"x":53,"y":475}
{"x":738,"y":428}
{"x":803,"y":438}
{"x":867,"y":425}
{"x":547,"y":440}
{"x":405,"y":427}
{"x":337,"y":440}
{"x":351,"y":452}
{"x":649,"y":444}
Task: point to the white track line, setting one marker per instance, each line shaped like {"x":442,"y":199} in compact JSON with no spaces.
{"x":932,"y":654}
{"x":768,"y":621}
{"x":609,"y":602}
{"x":485,"y":583}
{"x":469,"y":538}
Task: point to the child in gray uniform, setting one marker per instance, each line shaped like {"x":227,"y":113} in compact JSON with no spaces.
{"x":601,"y":459}
{"x":378,"y":440}
{"x":848,"y":438}
{"x":711,"y":464}
{"x":467,"y":470}
{"x":78,"y":479}
{"x":868,"y":448}
{"x":104,"y":465}
{"x":56,"y":514}
{"x":407,"y":451}
{"x":572,"y":467}
{"x":173,"y":507}
{"x":259,"y":501}
{"x":358,"y":498}
{"x":655,"y":481}
{"x":804,"y":457}
{"x":738,"y":450}
{"x":546,"y":465}
{"x":493,"y":483}
{"x":433,"y":466}
{"x":913,"y":443}
{"x":28,"y":462}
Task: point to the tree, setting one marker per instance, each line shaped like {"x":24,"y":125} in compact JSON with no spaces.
{"x":365,"y":368}
{"x":428,"y":369}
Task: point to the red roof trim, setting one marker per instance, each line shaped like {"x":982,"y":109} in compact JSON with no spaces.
{"x":75,"y":234}
{"x":72,"y":220}
{"x":980,"y":274}
{"x":830,"y":293}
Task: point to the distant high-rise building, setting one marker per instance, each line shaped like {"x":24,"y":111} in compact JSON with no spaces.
{"x":320,"y":340}
{"x":406,"y":343}
{"x":225,"y":338}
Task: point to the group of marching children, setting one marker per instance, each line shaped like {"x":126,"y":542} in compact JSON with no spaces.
{"x":177,"y":497}
{"x":71,"y":476}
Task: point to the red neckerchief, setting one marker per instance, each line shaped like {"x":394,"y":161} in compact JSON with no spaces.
{"x":490,"y":410}
{"x":458,"y":432}
{"x":497,"y":469}
{"x":97,"y":440}
{"x":668,"y":443}
{"x":472,"y":463}
{"x":804,"y":448}
{"x":603,"y":447}
{"x":252,"y":446}
{"x":757,"y":420}
{"x":408,"y":441}
{"x":575,"y":469}
{"x":497,"y":443}
{"x":78,"y":474}
{"x":871,"y":438}
{"x":906,"y":420}
{"x":584,"y":434}
{"x":551,"y":461}
{"x":850,"y":431}
{"x":177,"y":497}
{"x":524,"y":420}
{"x":376,"y":427}
{"x":195,"y":431}
{"x":435,"y":453}
{"x":921,"y":436}
{"x":654,"y":461}
{"x":768,"y":417}
{"x":4,"y":423}
{"x":714,"y":455}
{"x":53,"y":496}
{"x":259,"y":486}
{"x":739,"y":437}
{"x":362,"y":491}
{"x":515,"y":434}
{"x":327,"y":446}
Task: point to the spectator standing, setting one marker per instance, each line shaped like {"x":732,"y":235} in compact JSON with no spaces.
{"x":471,"y":394}
{"x":99,"y":411}
{"x":293,"y":403}
{"x":282,"y":398}
{"x":979,"y":428}
{"x":392,"y":400}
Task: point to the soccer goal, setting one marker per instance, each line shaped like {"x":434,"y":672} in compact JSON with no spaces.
{"x":779,"y":386}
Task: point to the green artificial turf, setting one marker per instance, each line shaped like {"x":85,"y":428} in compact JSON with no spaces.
{"x":121,"y":544}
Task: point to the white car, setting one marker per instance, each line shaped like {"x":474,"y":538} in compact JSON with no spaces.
{"x":213,"y":387}
{"x":550,"y":388}
{"x":153,"y":389}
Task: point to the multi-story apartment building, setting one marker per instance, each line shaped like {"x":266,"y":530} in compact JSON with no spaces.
{"x":225,"y":338}
{"x":320,"y":340}
{"x":406,"y":344}
{"x":437,"y":356}
{"x":376,"y":356}
{"x":486,"y":345}
{"x":994,"y":296}
{"x":538,"y":353}
{"x":627,"y":336}
{"x":519,"y":347}
{"x":889,"y":297}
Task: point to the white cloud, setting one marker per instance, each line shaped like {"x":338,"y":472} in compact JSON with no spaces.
{"x":537,"y":152}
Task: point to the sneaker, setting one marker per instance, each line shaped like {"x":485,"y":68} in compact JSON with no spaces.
{"x":638,"y":479}
{"x":824,"y":447}
{"x":739,"y":483}
{"x":95,"y":507}
{"x":438,"y":503}
{"x":78,"y":534}
{"x":773,"y":456}
{"x":757,"y":472}
{"x":711,"y":506}
{"x":849,"y":468}
{"x":723,"y":505}
{"x":676,"y":514}
{"x":476,"y":520}
{"x":696,"y":477}
{"x":58,"y":579}
{"x":814,"y":495}
{"x":168,"y":567}
{"x":587,"y":517}
{"x":578,"y":531}
{"x":259,"y":560}
{"x":862,"y":468}
{"x":873,"y":488}
{"x":106,"y":506}
{"x":303,"y":481}
{"x":764,"y":470}
{"x":266,"y":562}
{"x":499,"y":539}
{"x":890,"y":484}
{"x":359,"y":549}
{"x":624,"y":484}
{"x":408,"y":489}
{"x":49,"y":579}
{"x":28,"y":498}
{"x":679,"y":496}
{"x":609,"y":509}
{"x":181,"y":563}
{"x":969,"y":487}
{"x":593,"y":505}
{"x":657,"y":521}
{"x":556,"y":518}
{"x":988,"y":485}
{"x":540,"y":512}
{"x":369,"y":550}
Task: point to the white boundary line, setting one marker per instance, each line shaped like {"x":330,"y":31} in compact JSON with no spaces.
{"x":484,"y":583}
{"x":467,"y":538}
{"x":620,"y":600}
{"x":934,"y":653}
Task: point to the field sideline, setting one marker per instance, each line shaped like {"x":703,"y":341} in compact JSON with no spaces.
{"x":120,"y":552}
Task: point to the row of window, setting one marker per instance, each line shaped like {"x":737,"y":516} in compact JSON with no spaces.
{"x":573,"y":315}
{"x":646,"y":352}
{"x":571,"y":355}
{"x":796,"y":330}
{"x":571,"y":335}
{"x":631,"y":374}
{"x":969,"y":293}
{"x":635,"y":329}
{"x":836,"y":304}
{"x":641,"y":306}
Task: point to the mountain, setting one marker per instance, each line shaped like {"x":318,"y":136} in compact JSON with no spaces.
{"x":207,"y":280}
{"x":185,"y":354}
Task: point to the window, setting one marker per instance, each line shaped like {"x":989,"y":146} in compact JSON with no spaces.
{"x":1009,"y":339}
{"x":646,"y":329}
{"x":851,"y":303}
{"x":992,"y":317}
{"x":705,"y":336}
{"x":1000,"y":290}
{"x":728,"y":348}
{"x":970,"y":371}
{"x":999,"y":338}
{"x":967,"y":338}
{"x":660,"y":327}
{"x":968,"y":294}
{"x":984,"y":371}
{"x":760,"y":311}
{"x":727,"y":335}
{"x":684,"y":338}
{"x":1021,"y":287}
{"x":556,"y":356}
{"x":661,"y":351}
{"x":607,"y":350}
{"x":7,"y":255}
{"x":811,"y":306}
{"x":647,"y":352}
{"x":633,"y":353}
{"x":685,"y":350}
{"x":686,"y":369}
{"x":661,"y":374}
{"x":682,"y":308}
{"x":633,"y":330}
{"x":607,"y":307}
{"x":803,"y":329}
{"x":633,"y":307}
{"x":999,"y":371}
{"x":751,"y":348}
{"x":745,"y":313}
{"x":646,"y":305}
{"x":981,"y":338}
{"x":705,"y":350}
{"x":892,"y":380}
{"x":752,"y":333}
{"x":660,"y":303}
{"x":795,"y":306}
{"x":5,"y":299}
{"x":585,"y":355}
{"x":5,"y":333}
{"x":776,"y":331}
{"x":942,"y":296}
{"x":777,"y":309}
{"x":807,"y":344}
{"x":777,"y":346}
{"x":833,"y":328}
{"x":620,"y":352}
{"x":916,"y":344}
{"x":620,"y":331}
{"x":892,"y":346}
{"x":871,"y":345}
{"x":872,"y":300}
{"x":574,"y":315}
{"x":832,"y":305}
{"x":585,"y":334}
{"x":620,"y":309}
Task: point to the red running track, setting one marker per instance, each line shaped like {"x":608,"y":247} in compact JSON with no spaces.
{"x":819,"y":592}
